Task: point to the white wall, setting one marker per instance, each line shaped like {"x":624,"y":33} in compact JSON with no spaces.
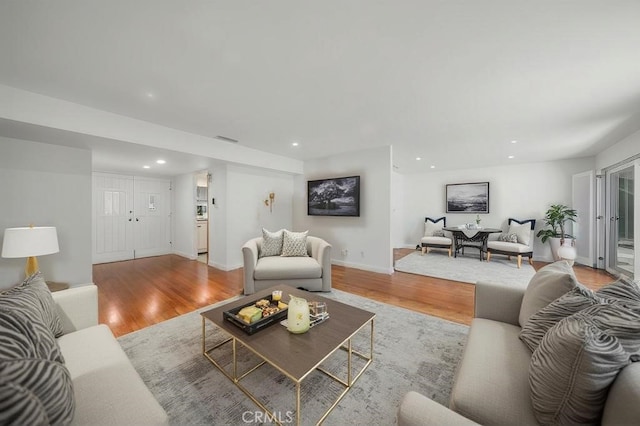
{"x":183,"y":219}
{"x":47,"y":185}
{"x":397,"y":210}
{"x":626,"y":148}
{"x":368,"y":237}
{"x":240,"y":193}
{"x":521,"y":191}
{"x":218,"y":216}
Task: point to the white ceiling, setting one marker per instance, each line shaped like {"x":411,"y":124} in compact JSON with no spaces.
{"x":452,"y":82}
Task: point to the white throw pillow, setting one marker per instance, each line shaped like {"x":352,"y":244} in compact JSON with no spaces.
{"x":294,"y":244}
{"x":430,"y":228}
{"x":271,"y":243}
{"x":522,"y":231}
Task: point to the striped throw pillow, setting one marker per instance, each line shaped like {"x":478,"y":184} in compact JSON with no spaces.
{"x":33,"y":298}
{"x":31,"y":365}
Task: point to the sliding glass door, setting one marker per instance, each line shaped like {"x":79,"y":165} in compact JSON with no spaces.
{"x":621,"y":213}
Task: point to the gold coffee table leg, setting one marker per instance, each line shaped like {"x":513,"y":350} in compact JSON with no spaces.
{"x":298,"y":414}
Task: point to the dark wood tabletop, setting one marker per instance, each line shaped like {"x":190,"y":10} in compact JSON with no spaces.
{"x":295,"y":354}
{"x":464,"y":237}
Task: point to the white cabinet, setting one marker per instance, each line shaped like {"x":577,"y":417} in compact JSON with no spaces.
{"x":202,"y":231}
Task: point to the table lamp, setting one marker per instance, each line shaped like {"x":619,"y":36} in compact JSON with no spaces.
{"x":30,"y":242}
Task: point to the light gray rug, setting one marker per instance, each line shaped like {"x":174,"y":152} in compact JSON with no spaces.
{"x":467,"y":268}
{"x":411,"y":352}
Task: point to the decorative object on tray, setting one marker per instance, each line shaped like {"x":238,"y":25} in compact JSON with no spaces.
{"x":258,"y":314}
{"x":317,"y":314}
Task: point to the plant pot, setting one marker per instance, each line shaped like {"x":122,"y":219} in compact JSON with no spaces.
{"x":567,"y":251}
{"x":555,"y":246}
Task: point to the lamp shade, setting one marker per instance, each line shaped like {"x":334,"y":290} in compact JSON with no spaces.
{"x":30,"y":241}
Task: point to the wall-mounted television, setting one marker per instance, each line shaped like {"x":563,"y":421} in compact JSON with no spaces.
{"x":334,"y":197}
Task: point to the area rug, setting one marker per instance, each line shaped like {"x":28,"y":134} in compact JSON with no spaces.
{"x":412,"y":351}
{"x":466,"y":268}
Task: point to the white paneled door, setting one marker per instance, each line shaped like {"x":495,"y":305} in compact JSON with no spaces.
{"x":131,"y":217}
{"x":152,"y":228}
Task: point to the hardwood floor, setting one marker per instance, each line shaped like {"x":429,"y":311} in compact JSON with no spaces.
{"x":138,"y":293}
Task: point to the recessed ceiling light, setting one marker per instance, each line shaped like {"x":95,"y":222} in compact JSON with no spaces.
{"x":161,"y":162}
{"x":150,"y":95}
{"x":433,"y":167}
{"x":514,"y":141}
{"x":146,"y":167}
{"x":295,"y":144}
{"x":511,"y":156}
{"x":418,"y":158}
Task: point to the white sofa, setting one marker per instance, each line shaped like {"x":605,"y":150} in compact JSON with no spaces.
{"x":108,"y":390}
{"x":313,"y":273}
{"x":492,"y":381}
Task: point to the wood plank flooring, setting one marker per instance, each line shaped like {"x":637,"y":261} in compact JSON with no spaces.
{"x":138,"y":293}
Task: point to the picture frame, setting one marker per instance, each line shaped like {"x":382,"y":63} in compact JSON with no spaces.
{"x":467,"y":197}
{"x":334,"y":197}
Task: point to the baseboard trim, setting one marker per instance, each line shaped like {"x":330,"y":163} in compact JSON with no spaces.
{"x":187,"y":255}
{"x":222,"y":267}
{"x":369,"y":268}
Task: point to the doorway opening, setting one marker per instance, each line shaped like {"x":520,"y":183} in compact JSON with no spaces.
{"x":620,"y":212}
{"x":202,"y":216}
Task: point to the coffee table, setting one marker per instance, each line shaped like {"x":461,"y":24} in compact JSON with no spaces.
{"x":296,"y":356}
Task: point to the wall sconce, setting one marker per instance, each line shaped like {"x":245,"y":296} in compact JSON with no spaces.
{"x":269,"y":201}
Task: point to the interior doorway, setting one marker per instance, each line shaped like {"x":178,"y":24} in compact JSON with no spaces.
{"x":131,"y":217}
{"x":202,"y":215}
{"x":620,"y":214}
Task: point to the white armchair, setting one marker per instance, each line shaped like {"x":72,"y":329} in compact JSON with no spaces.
{"x":522,"y":232}
{"x":434,"y":237}
{"x":312,"y":273}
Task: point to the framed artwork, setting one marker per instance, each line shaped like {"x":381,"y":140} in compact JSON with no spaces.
{"x":334,"y":197}
{"x":468,"y":197}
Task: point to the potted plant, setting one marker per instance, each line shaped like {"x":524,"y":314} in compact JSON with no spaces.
{"x":555,"y":218}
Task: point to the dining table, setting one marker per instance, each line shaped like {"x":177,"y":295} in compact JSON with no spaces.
{"x":470,"y":237}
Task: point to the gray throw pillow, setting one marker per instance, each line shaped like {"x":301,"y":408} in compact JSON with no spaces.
{"x":566,"y":305}
{"x":624,"y":290}
{"x":572,"y":369}
{"x":294,"y":244}
{"x":271,"y":243}
{"x":33,"y":297}
{"x":549,"y":283}
{"x":32,"y":364}
{"x":509,"y":238}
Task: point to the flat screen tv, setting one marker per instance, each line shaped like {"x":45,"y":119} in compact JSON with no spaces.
{"x":334,"y":197}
